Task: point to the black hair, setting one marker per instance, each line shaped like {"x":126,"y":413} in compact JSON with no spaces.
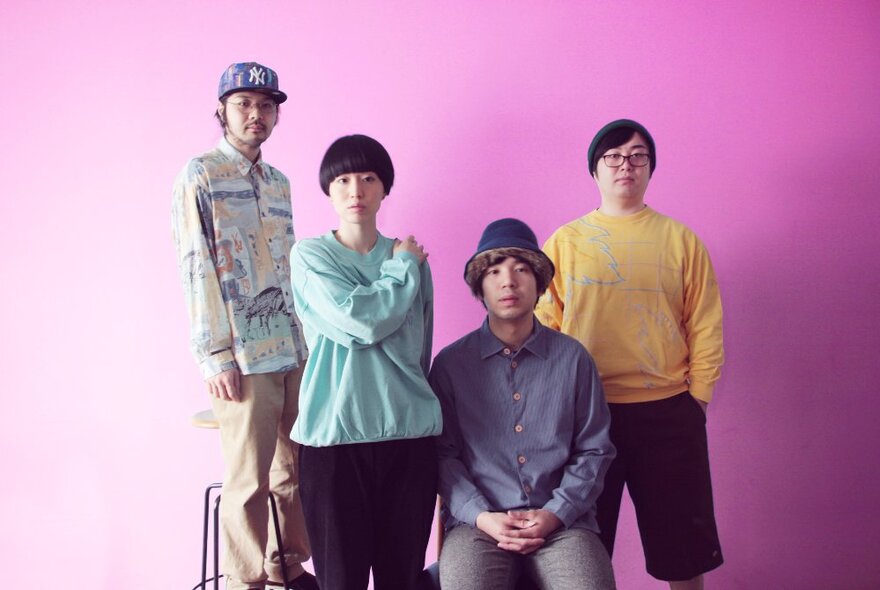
{"x":356,"y":153}
{"x":616,"y":138}
{"x":542,"y":268}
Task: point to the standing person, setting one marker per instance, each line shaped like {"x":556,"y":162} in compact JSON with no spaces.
{"x":231,"y":219}
{"x":525,"y":434}
{"x":367,"y":415}
{"x":638,"y":290}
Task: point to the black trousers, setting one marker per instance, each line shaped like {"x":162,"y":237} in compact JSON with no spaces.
{"x":369,"y":505}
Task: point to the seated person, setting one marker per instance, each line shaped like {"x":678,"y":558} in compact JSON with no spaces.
{"x":525,"y":442}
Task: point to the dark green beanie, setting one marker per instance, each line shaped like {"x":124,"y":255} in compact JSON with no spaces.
{"x":629,"y":124}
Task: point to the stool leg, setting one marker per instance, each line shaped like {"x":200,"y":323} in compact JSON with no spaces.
{"x":281,"y":554}
{"x":205,"y":539}
{"x":204,"y":572}
{"x":217,"y":543}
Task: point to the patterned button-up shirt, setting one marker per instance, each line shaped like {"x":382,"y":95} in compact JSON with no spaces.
{"x":232,"y":226}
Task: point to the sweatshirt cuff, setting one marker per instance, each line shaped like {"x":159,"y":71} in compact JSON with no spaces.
{"x":701,"y":391}
{"x":404,"y":255}
{"x":217,"y":363}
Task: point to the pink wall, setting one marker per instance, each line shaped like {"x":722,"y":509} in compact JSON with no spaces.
{"x":766,"y":118}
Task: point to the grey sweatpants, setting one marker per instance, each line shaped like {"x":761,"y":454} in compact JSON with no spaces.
{"x":571,"y":559}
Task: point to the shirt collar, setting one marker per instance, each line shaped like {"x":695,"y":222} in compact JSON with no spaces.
{"x":243,"y":164}
{"x":536,"y":343}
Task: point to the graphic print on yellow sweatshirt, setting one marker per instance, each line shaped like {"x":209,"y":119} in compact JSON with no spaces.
{"x":640,"y":293}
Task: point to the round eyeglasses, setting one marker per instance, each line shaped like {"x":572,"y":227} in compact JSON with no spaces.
{"x":616,"y":160}
{"x":246,"y":106}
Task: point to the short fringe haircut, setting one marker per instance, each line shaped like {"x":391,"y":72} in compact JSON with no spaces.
{"x":541,"y":267}
{"x":356,"y":153}
{"x":616,"y":138}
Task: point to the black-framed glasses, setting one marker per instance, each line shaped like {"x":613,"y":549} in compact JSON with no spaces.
{"x":247,"y":106}
{"x":616,"y":160}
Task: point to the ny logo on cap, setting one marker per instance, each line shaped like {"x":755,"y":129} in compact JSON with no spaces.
{"x":258,"y":76}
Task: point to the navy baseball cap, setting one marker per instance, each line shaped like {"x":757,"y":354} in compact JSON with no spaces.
{"x":250,"y":76}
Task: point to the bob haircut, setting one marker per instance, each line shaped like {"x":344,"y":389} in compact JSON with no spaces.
{"x":618,"y":137}
{"x":356,"y":153}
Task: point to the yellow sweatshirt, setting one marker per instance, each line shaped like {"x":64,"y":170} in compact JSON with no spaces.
{"x":640,"y":293}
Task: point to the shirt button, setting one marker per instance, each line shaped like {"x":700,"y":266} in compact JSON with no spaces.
{"x":518,"y":428}
{"x":506,"y":351}
{"x":513,"y":364}
{"x":527,"y":489}
{"x":521,"y":459}
{"x":517,"y":396}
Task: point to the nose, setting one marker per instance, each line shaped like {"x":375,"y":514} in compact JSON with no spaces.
{"x":626,"y":165}
{"x":354,"y":188}
{"x":508,"y":278}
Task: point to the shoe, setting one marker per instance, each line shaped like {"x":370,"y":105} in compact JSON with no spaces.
{"x":305,"y":581}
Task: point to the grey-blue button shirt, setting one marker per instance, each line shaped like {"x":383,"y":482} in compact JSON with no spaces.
{"x":523,"y":428}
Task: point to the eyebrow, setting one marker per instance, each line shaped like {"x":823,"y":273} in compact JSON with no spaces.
{"x":638,"y":145}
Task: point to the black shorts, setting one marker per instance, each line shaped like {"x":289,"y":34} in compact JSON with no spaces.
{"x":663,"y":459}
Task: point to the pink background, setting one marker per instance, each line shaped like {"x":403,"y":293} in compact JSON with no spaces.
{"x":766,"y":118}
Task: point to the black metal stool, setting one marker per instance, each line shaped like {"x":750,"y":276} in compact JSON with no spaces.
{"x":206,"y":419}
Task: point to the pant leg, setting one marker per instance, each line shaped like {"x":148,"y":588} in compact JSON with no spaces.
{"x":608,"y":503}
{"x":336,"y":494}
{"x":471,"y":560}
{"x":670,"y":486}
{"x":248,"y":438}
{"x":284,"y":484}
{"x":406,"y":481}
{"x":571,"y":559}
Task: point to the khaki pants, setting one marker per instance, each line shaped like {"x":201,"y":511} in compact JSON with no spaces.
{"x":260,"y":457}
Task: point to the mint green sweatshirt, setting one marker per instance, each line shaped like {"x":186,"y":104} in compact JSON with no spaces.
{"x":368,"y":322}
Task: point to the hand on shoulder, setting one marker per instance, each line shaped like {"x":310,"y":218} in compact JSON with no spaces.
{"x":412,"y":246}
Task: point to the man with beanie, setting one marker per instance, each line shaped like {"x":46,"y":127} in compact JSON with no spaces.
{"x":525,"y":434}
{"x":638,"y":290}
{"x":232,"y":226}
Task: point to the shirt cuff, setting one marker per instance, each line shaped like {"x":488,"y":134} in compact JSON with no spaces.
{"x":217,"y":363}
{"x":471,"y":510}
{"x":563,"y":511}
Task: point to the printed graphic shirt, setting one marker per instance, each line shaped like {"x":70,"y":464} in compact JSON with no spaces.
{"x":640,"y":293}
{"x":233,"y":230}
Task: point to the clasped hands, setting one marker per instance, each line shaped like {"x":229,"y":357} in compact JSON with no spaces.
{"x":519,"y":531}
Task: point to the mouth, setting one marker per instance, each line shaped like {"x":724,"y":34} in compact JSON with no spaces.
{"x":509,"y":300}
{"x":257,"y":128}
